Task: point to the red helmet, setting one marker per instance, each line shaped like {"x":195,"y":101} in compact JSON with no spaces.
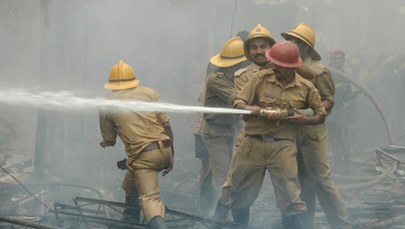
{"x":284,"y":54}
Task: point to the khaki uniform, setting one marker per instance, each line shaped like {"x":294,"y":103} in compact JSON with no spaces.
{"x":217,"y":133}
{"x":147,"y":146}
{"x":242,"y":77}
{"x":269,"y":145}
{"x":199,"y":149}
{"x":313,"y":159}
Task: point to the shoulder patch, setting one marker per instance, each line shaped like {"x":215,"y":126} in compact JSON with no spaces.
{"x":264,"y":72}
{"x":215,"y":75}
{"x":240,"y":71}
{"x":219,"y":74}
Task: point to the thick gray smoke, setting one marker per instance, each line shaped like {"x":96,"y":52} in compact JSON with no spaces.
{"x":55,"y":45}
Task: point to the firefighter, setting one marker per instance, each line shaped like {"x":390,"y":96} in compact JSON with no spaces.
{"x":270,"y":139}
{"x":258,"y":41}
{"x":343,"y":116}
{"x":312,"y":140}
{"x":148,"y":141}
{"x":218,"y":130}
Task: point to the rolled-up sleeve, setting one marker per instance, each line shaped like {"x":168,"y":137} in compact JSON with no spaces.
{"x":107,"y":128}
{"x":247,"y":94}
{"x":314,"y":101}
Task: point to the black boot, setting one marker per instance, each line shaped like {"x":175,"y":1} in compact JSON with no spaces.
{"x":298,"y":221}
{"x":132,"y":213}
{"x":157,"y":222}
{"x":221,"y":212}
{"x":241,"y":215}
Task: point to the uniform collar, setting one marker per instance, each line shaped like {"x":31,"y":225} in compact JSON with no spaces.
{"x":293,"y":83}
{"x":256,"y":67}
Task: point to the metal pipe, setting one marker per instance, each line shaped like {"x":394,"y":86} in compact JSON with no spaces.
{"x":388,"y":222}
{"x":18,"y":221}
{"x":362,"y":186}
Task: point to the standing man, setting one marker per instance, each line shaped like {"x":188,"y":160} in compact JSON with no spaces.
{"x":270,"y":143}
{"x":218,"y":130}
{"x":199,"y":148}
{"x":343,"y":115}
{"x":312,"y":140}
{"x":148,"y":141}
{"x":257,"y":43}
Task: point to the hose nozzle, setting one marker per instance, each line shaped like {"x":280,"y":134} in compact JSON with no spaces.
{"x":282,"y":114}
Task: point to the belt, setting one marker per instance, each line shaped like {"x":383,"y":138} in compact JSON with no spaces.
{"x":265,"y":138}
{"x":155,"y":145}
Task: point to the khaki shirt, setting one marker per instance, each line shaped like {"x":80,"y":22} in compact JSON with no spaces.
{"x":264,"y":90}
{"x":243,"y":75}
{"x":200,"y":119}
{"x":219,"y":92}
{"x":136,"y":129}
{"x":323,"y":80}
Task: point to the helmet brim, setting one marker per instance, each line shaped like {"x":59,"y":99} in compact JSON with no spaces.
{"x":314,"y":54}
{"x":121,"y":85}
{"x":218,"y":61}
{"x":282,"y":64}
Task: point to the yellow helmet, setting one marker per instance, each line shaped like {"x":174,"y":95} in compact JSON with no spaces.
{"x":258,"y":31}
{"x":122,"y":77}
{"x":305,"y":33}
{"x":231,"y":54}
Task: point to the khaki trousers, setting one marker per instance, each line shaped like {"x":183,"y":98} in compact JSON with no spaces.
{"x":315,"y":175}
{"x":247,"y":171}
{"x":219,"y":142}
{"x":144,"y":175}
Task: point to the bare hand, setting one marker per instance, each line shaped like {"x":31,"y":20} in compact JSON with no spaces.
{"x":169,"y":168}
{"x":103,"y":144}
{"x":254,"y":109}
{"x":297,"y":118}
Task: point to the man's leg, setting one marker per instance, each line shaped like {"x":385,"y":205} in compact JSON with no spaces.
{"x":219,"y":150}
{"x":146,"y":174}
{"x":133,"y":212}
{"x":307,"y":189}
{"x":241,"y":216}
{"x":315,"y":158}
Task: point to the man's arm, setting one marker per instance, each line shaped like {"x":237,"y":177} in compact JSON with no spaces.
{"x":306,"y":72}
{"x":314,"y":102}
{"x":169,"y":132}
{"x":107,"y":129}
{"x":327,"y":104}
{"x":243,"y":106}
{"x":307,"y":120}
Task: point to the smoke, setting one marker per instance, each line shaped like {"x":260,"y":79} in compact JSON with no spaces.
{"x":58,"y":49}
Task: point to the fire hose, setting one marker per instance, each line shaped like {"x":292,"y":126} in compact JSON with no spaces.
{"x":361,"y":186}
{"x":284,"y":113}
{"x":365,"y":91}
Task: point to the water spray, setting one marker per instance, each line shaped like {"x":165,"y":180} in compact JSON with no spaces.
{"x":66,"y":100}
